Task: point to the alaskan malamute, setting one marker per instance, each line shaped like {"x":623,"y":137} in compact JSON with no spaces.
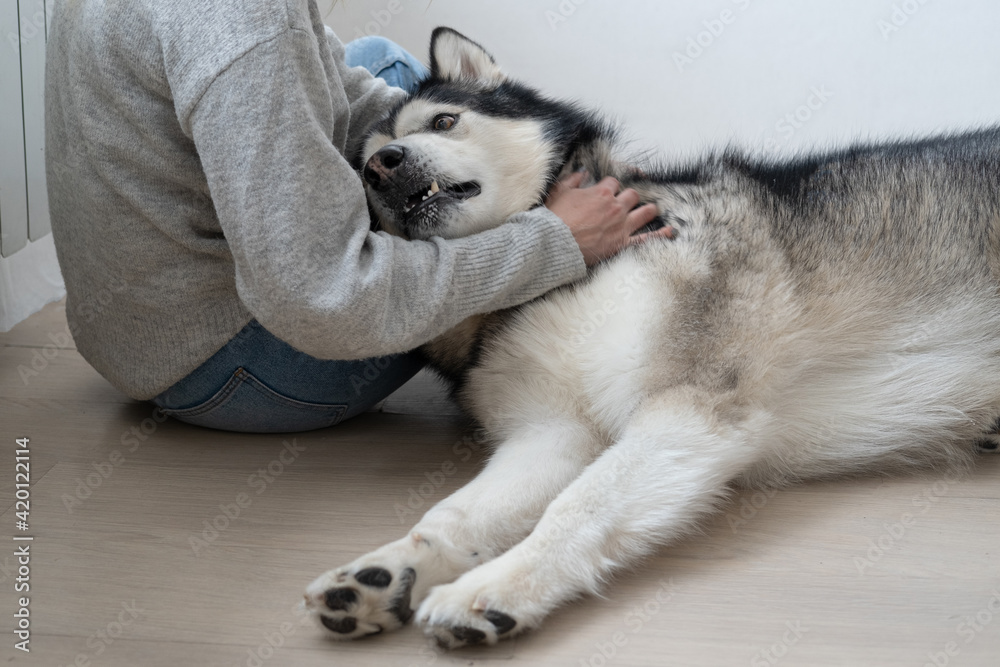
{"x":831,"y":315}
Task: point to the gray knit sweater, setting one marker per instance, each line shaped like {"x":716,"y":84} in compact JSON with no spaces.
{"x":197,"y":179}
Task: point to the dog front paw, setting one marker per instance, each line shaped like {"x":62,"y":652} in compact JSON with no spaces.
{"x":378,"y":592}
{"x":358,"y":601}
{"x":374,"y":594}
{"x":454,"y":616}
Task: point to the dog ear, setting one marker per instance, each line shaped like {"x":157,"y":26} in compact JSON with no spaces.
{"x":455,"y":57}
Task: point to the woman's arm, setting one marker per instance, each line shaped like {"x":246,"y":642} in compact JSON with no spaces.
{"x":270,"y":132}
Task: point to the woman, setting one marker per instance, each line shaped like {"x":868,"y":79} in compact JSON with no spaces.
{"x":214,"y":239}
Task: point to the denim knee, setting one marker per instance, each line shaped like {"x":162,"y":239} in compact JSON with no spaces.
{"x":386,"y":60}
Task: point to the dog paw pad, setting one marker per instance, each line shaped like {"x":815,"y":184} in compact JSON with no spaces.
{"x":501,"y":621}
{"x":342,"y":626}
{"x":340,"y":599}
{"x":375,"y":577}
{"x":468,"y":635}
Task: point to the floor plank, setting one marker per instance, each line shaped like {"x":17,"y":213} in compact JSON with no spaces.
{"x":128,"y":568}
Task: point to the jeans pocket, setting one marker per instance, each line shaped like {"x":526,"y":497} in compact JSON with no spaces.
{"x":247,"y":405}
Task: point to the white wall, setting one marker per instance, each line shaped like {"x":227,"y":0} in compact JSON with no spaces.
{"x":885,"y":67}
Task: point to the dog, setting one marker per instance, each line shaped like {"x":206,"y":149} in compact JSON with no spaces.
{"x":835,"y":314}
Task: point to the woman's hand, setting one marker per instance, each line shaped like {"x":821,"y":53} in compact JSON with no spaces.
{"x":602,"y":217}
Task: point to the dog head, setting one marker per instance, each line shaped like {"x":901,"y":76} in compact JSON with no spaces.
{"x":468,"y":149}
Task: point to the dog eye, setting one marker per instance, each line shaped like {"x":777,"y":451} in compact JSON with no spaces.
{"x":444,"y":122}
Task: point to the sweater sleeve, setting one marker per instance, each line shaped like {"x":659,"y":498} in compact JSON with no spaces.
{"x":369,"y":97}
{"x":269,"y":134}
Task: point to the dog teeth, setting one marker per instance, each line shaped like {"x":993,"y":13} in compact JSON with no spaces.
{"x":434,"y":189}
{"x":431,"y":191}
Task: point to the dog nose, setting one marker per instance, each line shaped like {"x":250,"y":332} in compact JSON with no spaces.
{"x":382,"y":164}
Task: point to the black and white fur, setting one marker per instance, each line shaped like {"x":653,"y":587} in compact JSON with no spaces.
{"x":838,"y":314}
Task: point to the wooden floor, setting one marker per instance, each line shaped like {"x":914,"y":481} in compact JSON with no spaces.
{"x":124,"y":572}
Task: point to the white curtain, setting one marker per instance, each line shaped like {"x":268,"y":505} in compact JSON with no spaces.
{"x":29,"y":279}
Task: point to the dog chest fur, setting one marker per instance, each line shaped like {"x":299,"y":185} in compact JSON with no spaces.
{"x":580,"y":353}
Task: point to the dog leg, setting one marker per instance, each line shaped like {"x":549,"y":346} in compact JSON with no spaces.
{"x":668,"y":470}
{"x":483,"y":519}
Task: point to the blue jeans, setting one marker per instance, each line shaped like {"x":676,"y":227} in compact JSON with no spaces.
{"x":386,"y":60}
{"x":257,"y":383}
